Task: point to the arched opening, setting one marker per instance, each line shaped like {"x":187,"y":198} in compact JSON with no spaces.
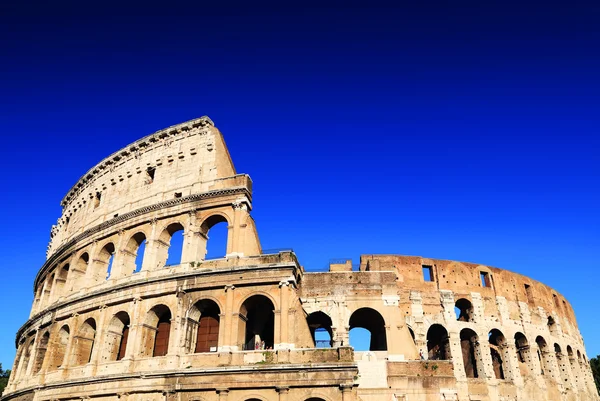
{"x":573,"y":363}
{"x":412,"y":334}
{"x":463,"y":310}
{"x":133,"y":257}
{"x":215,"y":228}
{"x":523,"y":353}
{"x":116,"y":337}
{"x":48,"y":289}
{"x":552,"y":325}
{"x":79,"y":271}
{"x":26,"y":358}
{"x":543,"y":356}
{"x":372,"y":321}
{"x":84,"y":343}
{"x":469,"y":343}
{"x":319,"y":324}
{"x":108,"y":254}
{"x":315,"y":399}
{"x":40,"y":355}
{"x":61,"y":281}
{"x":257,"y":323}
{"x":438,"y":344}
{"x":171,"y":243}
{"x":156,"y":332}
{"x":497,"y":343}
{"x":563,"y":366}
{"x":59,"y":348}
{"x":202,"y":333}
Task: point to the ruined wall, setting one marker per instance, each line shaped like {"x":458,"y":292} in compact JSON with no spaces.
{"x":113,"y":319}
{"x":507,"y":336}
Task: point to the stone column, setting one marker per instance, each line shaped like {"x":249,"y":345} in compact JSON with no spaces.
{"x":177,"y":325}
{"x":284,"y":294}
{"x":457,"y":357}
{"x":99,"y":339}
{"x":228,"y":325}
{"x":511,"y":369}
{"x":135,"y":330}
{"x":190,"y":243}
{"x":120,"y":258}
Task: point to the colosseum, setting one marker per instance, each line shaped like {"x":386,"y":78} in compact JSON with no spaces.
{"x":112,"y":320}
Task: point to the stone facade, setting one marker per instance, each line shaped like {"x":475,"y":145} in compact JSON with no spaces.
{"x":245,"y":326}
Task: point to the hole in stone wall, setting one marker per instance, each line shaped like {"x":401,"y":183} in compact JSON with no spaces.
{"x":529,"y":293}
{"x":427,"y":273}
{"x":485,"y":279}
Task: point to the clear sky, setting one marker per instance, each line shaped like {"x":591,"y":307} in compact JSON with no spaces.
{"x":455,"y":130}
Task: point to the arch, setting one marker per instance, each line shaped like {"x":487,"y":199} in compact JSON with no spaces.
{"x":523,"y":353}
{"x":412,"y":334}
{"x":171,"y":244}
{"x":544,"y":356}
{"x":26,"y":356}
{"x":215,"y":225}
{"x":497,"y":344}
{"x":563,"y":365}
{"x":438,"y":344}
{"x":133,"y":256}
{"x":84,"y":343}
{"x":156,"y":331}
{"x":117,"y":336}
{"x":315,"y":399}
{"x":79,"y":271}
{"x":202,"y":331}
{"x":48,"y":289}
{"x":469,"y":343}
{"x":463,"y":308}
{"x":372,"y":321}
{"x":59,"y":348}
{"x":41,"y":352}
{"x":257,"y":323}
{"x":319,"y":324}
{"x":106,"y":257}
{"x":61,"y":280}
{"x":552,"y":325}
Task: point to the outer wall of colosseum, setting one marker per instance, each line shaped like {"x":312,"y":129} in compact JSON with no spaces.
{"x":249,"y":326}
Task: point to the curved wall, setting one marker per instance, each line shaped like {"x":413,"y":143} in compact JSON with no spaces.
{"x":112,"y":320}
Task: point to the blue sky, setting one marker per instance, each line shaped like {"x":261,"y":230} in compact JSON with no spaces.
{"x":458,"y":131}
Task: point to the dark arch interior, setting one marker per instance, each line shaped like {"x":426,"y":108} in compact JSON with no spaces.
{"x":438,"y":345}
{"x":372,"y":321}
{"x":464,"y":310}
{"x":468,"y":338}
{"x":257,"y":314}
{"x":320,"y":323}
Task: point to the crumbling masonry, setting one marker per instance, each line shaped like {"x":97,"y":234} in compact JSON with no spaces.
{"x":112,"y":320}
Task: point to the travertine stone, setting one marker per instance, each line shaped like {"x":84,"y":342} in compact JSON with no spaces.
{"x":242,"y":327}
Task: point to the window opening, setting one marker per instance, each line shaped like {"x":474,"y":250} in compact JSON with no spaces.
{"x":150,"y":175}
{"x":485,"y":279}
{"x":319,"y":324}
{"x":372,"y":321}
{"x":97,"y":199}
{"x":529,"y":293}
{"x":463,"y":310}
{"x":427,"y":273}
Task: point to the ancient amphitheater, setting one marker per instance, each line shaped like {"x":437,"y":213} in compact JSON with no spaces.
{"x":243,"y":327}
